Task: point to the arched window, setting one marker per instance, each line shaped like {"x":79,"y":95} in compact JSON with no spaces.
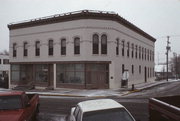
{"x":128,"y":44}
{"x":14,"y":49}
{"x":145,"y":52}
{"x":139,"y":52}
{"x":136,"y":51}
{"x":37,"y":48}
{"x":77,"y":45}
{"x":123,"y":45}
{"x":50,"y":47}
{"x":142,"y":53}
{"x":117,"y":46}
{"x":63,"y":46}
{"x":95,"y":44}
{"x":132,"y":52}
{"x":104,"y":44}
{"x":25,"y":48}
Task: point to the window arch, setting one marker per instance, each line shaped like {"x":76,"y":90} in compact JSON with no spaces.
{"x":95,"y":44}
{"x":104,"y":44}
{"x":76,"y":45}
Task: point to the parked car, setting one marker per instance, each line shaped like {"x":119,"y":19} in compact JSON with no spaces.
{"x":100,"y":110}
{"x":164,"y":108}
{"x":18,"y":106}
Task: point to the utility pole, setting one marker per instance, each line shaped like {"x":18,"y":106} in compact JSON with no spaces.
{"x":168,"y":49}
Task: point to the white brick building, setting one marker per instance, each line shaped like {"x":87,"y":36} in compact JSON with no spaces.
{"x":84,"y":49}
{"x":4,"y":70}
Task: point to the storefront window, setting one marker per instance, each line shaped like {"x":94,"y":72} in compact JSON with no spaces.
{"x":41,"y":73}
{"x":19,"y":73}
{"x":15,"y":72}
{"x":70,"y":73}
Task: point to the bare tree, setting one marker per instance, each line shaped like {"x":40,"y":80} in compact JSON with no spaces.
{"x":176,"y":65}
{"x":4,"y":52}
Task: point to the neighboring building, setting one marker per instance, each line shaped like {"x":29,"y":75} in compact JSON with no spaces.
{"x":161,"y":72}
{"x":4,"y":70}
{"x":83,"y":49}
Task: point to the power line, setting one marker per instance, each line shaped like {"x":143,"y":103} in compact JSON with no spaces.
{"x":161,"y":37}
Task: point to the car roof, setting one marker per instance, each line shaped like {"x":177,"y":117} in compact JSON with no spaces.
{"x":98,"y":104}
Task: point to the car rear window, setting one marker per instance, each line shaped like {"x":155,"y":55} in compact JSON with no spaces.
{"x":10,"y":102}
{"x":119,"y":114}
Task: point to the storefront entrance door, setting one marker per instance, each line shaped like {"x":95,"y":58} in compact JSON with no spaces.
{"x":50,"y":75}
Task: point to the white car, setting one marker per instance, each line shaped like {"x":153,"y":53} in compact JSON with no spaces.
{"x":100,"y":110}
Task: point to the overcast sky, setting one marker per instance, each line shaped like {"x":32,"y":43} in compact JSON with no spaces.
{"x":159,"y":18}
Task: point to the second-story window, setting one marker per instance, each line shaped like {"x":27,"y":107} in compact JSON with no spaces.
{"x":37,"y":48}
{"x":139,"y":52}
{"x":150,"y":54}
{"x":136,"y":51}
{"x":128,"y":49}
{"x":132,"y":53}
{"x":142,"y":53}
{"x":14,"y":49}
{"x":117,"y":46}
{"x":145,"y":53}
{"x":25,"y":48}
{"x":5,"y":61}
{"x":104,"y":44}
{"x":63,"y":46}
{"x":95,"y":44}
{"x":77,"y":45}
{"x":50,"y":44}
{"x":123,"y":48}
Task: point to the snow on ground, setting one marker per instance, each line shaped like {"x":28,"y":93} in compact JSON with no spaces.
{"x":50,"y":117}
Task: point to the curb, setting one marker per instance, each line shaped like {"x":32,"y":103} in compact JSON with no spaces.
{"x":141,"y":89}
{"x":65,"y":95}
{"x":136,"y":90}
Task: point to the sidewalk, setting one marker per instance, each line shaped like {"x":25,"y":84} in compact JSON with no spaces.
{"x":96,"y":92}
{"x":152,"y":84}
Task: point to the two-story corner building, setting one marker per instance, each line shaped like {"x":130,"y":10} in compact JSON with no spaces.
{"x":83,"y":49}
{"x":4,"y":70}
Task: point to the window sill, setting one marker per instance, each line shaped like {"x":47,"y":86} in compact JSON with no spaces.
{"x":77,"y":55}
{"x":63,"y":55}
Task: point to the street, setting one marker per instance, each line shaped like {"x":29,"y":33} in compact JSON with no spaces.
{"x":57,"y":108}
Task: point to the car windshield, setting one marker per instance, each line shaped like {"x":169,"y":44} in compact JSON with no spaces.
{"x":10,"y":102}
{"x":119,"y":114}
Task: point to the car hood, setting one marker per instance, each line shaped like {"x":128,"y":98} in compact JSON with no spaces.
{"x":6,"y":115}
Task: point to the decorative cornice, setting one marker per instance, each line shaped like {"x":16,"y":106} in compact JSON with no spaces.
{"x":77,"y":15}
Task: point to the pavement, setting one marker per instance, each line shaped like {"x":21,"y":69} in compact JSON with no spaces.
{"x":96,"y":92}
